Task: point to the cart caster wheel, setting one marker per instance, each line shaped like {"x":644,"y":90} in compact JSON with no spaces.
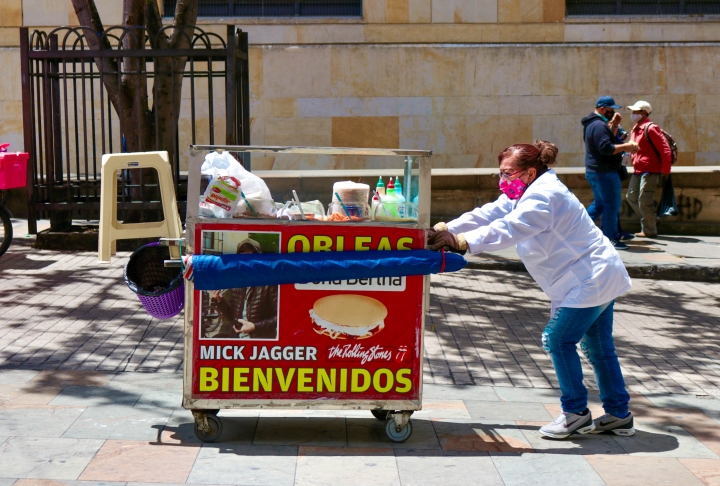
{"x":396,"y":435}
{"x":380,"y":414}
{"x":215,"y":429}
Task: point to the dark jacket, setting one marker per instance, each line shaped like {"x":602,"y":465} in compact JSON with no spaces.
{"x":599,"y":145}
{"x":255,"y":304}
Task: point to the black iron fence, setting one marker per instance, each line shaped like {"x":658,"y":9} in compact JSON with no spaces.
{"x":70,"y":118}
{"x":273,"y":8}
{"x":642,"y":7}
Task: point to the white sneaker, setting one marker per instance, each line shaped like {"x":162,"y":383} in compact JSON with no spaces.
{"x":567,"y":424}
{"x":618,"y":426}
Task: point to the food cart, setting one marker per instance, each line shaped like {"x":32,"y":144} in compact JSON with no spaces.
{"x":352,"y":344}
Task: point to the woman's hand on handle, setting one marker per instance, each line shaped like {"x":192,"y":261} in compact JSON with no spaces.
{"x":444,"y":240}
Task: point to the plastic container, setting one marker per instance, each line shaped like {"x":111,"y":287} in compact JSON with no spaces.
{"x":355,"y":212}
{"x":13,"y":170}
{"x":161,"y":290}
{"x":255,"y":208}
{"x":313,"y":210}
{"x":395,"y":212}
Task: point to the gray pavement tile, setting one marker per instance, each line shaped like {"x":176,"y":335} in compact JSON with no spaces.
{"x":147,"y":381}
{"x":319,"y":466}
{"x":7,"y":481}
{"x":422,"y":469}
{"x":16,"y":377}
{"x":370,"y":432}
{"x":244,"y":465}
{"x":709,"y":405}
{"x":317,"y":431}
{"x":507,"y":411}
{"x":89,"y":396}
{"x":37,"y":421}
{"x":3,"y":439}
{"x":153,"y":399}
{"x":544,"y":469}
{"x":119,"y":423}
{"x":575,"y":444}
{"x":480,"y":436}
{"x":664,"y":441}
{"x":46,"y":458}
{"x":536,"y":395}
{"x":455,"y":392}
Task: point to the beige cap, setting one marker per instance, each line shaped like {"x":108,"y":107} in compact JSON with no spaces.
{"x":641,"y":106}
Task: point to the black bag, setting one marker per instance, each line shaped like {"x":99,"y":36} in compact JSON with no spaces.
{"x":623,"y":173}
{"x":667,"y":206}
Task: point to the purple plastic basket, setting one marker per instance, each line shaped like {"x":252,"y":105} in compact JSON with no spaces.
{"x":160,"y":290}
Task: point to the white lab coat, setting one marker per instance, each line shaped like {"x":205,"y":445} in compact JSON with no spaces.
{"x":566,"y":254}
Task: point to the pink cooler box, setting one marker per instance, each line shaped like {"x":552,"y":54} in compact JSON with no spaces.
{"x":13,"y":169}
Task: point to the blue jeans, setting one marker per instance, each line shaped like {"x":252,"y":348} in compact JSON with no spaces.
{"x":607,"y":191}
{"x":592,"y":328}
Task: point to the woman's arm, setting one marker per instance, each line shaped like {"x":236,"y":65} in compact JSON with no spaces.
{"x":481,"y":216}
{"x":532,"y":216}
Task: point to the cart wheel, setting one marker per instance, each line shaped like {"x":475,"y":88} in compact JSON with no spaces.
{"x":379,"y":414}
{"x":396,"y":435}
{"x":215,"y":429}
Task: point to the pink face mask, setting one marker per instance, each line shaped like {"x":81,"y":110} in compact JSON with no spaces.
{"x":514,"y":190}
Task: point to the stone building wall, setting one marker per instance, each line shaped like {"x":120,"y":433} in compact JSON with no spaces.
{"x":464,"y":78}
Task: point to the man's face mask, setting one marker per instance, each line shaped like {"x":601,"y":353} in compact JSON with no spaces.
{"x":609,"y":114}
{"x":635,"y":117}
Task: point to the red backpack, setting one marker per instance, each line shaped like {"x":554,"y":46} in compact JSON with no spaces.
{"x":670,"y":141}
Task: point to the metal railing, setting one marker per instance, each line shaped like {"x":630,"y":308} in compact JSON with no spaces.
{"x":642,"y":7}
{"x":70,"y":120}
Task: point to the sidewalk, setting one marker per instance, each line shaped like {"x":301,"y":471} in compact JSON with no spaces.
{"x":689,"y":258}
{"x":89,"y":428}
{"x":90,"y":392}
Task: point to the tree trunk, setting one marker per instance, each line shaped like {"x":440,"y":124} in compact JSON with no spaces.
{"x":143,"y":128}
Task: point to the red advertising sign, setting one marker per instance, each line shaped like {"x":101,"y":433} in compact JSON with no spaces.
{"x":355,"y":339}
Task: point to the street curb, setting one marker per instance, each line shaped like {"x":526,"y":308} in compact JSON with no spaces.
{"x":688,"y":273}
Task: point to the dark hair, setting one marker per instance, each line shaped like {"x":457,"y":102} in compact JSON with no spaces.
{"x":539,"y":155}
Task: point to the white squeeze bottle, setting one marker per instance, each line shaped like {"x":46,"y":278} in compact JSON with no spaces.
{"x":380,"y":187}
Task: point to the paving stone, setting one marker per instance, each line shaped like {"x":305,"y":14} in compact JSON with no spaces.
{"x":89,"y":396}
{"x":52,"y":482}
{"x":631,"y":471}
{"x":582,"y":444}
{"x":320,"y":431}
{"x":480,"y":436}
{"x":244,"y":465}
{"x":370,"y":432}
{"x":507,"y":411}
{"x":153,"y":399}
{"x":16,"y":377}
{"x":445,"y":392}
{"x":46,"y":458}
{"x":7,"y":481}
{"x":430,"y":468}
{"x":442,"y":409}
{"x":707,"y":404}
{"x":38,"y":421}
{"x":664,"y":441}
{"x":332,"y":466}
{"x":162,"y":463}
{"x":543,"y":469}
{"x":72,"y":378}
{"x":146,"y":381}
{"x":536,"y":395}
{"x":707,"y":470}
{"x":119,"y":423}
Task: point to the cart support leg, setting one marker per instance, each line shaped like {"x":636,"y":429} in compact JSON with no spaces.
{"x":401,"y":418}
{"x":201,"y":421}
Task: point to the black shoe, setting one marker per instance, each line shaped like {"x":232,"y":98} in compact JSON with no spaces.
{"x":625,"y":236}
{"x":618,"y":245}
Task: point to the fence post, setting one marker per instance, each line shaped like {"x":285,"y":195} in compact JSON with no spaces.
{"x":27,"y":128}
{"x":59,"y":220}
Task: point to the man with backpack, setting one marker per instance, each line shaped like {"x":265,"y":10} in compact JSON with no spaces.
{"x":603,"y":166}
{"x":653,"y":159}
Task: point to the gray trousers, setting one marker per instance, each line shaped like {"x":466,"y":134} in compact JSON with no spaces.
{"x":641,"y":197}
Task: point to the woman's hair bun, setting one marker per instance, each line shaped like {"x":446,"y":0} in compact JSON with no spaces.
{"x":548,"y":151}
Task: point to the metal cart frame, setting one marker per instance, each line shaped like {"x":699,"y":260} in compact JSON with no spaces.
{"x":397,"y":412}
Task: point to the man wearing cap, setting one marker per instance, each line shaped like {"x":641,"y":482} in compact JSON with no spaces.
{"x":248,"y":312}
{"x":603,"y":160}
{"x":652,"y":160}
